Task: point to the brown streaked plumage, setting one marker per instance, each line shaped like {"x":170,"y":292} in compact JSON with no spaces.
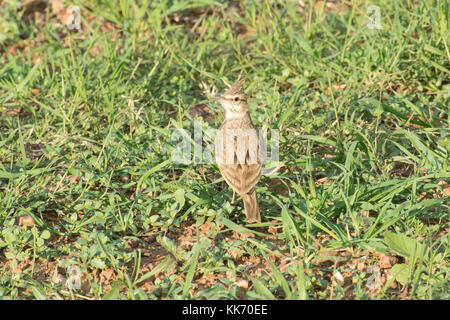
{"x":239,"y":149}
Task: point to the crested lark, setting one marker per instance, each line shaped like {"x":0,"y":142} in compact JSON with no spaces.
{"x":239,"y":149}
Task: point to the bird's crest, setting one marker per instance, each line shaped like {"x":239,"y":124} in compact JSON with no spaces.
{"x":236,"y":88}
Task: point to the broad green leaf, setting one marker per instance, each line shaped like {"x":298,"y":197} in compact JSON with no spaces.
{"x":400,"y":273}
{"x":45,"y":234}
{"x":404,"y":245}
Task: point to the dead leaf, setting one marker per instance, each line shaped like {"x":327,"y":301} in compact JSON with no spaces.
{"x":12,"y":51}
{"x":205,"y":228}
{"x":26,"y":220}
{"x":386,"y":261}
{"x":242,"y":284}
{"x":74,"y":179}
{"x":272,"y":230}
{"x":57,"y":5}
{"x":322,"y":181}
{"x":339,"y":278}
{"x":445,"y":186}
{"x":336,"y":87}
{"x":108,"y":273}
{"x":361,"y":266}
{"x":17,"y":269}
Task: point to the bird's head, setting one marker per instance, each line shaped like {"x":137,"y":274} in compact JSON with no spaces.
{"x":234,"y":100}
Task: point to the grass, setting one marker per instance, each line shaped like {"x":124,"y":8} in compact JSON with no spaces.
{"x":92,"y":205}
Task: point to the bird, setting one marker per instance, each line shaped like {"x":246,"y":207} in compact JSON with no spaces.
{"x":240,"y":149}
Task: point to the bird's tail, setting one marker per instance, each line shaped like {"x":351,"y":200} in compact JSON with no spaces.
{"x":251,"y":206}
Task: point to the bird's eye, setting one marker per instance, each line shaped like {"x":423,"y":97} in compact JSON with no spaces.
{"x":236,"y":99}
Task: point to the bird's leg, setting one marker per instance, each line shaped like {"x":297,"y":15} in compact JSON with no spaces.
{"x":232,"y":200}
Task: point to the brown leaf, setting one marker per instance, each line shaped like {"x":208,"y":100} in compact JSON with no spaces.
{"x":322,"y":181}
{"x":386,"y":261}
{"x":17,"y":269}
{"x":57,"y":5}
{"x":242,"y":284}
{"x":205,"y":228}
{"x":26,"y":220}
{"x":96,"y":49}
{"x":361,"y":266}
{"x":108,"y":273}
{"x":147,"y":286}
{"x":74,"y":179}
{"x":12,"y":51}
{"x":339,"y":278}
{"x":272,"y":230}
{"x":336,"y":87}
{"x":445,"y":187}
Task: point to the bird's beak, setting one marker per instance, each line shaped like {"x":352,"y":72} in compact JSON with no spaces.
{"x":218,"y":98}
